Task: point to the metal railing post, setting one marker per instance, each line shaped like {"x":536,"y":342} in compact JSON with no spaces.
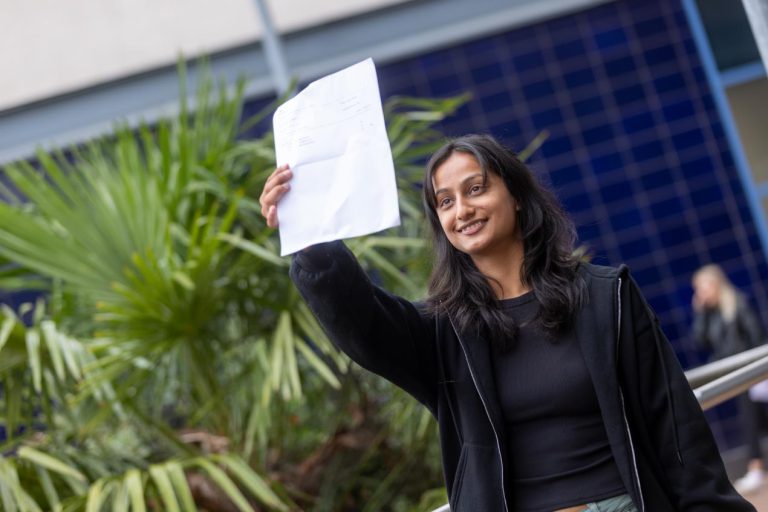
{"x":273,"y":48}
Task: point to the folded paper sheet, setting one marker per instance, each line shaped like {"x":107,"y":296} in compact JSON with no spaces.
{"x":332,"y":134}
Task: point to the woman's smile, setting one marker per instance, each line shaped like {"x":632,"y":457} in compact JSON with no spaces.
{"x":472,"y":228}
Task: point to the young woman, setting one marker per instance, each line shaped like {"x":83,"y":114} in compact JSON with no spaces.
{"x":553,"y":387}
{"x":726,"y":325}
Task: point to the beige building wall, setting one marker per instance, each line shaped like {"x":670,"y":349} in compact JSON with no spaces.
{"x":749,"y":104}
{"x":51,"y":47}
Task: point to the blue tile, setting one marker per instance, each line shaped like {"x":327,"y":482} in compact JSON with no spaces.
{"x":660,"y":55}
{"x":626,"y":220}
{"x":578,"y":78}
{"x":570,"y":49}
{"x":524,"y":37}
{"x":701,"y":166}
{"x":607,"y":12}
{"x":577,"y":203}
{"x":675,"y":236}
{"x":588,"y":106}
{"x":647,"y":275}
{"x":667,"y":208}
{"x":658,"y":301}
{"x":672,"y":331}
{"x":528,"y":61}
{"x":436,"y":61}
{"x":617,"y":67}
{"x":636,"y":249}
{"x":629,"y":94}
{"x":610,"y":38}
{"x":638,"y":122}
{"x":565,"y":176}
{"x":715,"y":224}
{"x":538,"y":89}
{"x":559,"y":26}
{"x":708,"y":102}
{"x":607,"y":163}
{"x":480,"y":48}
{"x":725,"y":252}
{"x":495,"y":102}
{"x":597,"y":135}
{"x":647,"y":151}
{"x":487,"y":73}
{"x":446,"y":86}
{"x":684,"y":265}
{"x":679,"y":110}
{"x":671,"y":82}
{"x":717,"y":129}
{"x":556,"y":146}
{"x":713,"y":194}
{"x":507,"y":129}
{"x":727,"y":158}
{"x":620,"y":191}
{"x":588,"y":232}
{"x":690,"y":48}
{"x":650,"y":27}
{"x":657,"y":179}
{"x":547,"y":118}
{"x":688,"y":139}
{"x":762,"y":268}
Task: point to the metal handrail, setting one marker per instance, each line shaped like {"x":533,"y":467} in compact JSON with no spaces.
{"x":732,"y":384}
{"x":706,"y":373}
{"x":719,"y":381}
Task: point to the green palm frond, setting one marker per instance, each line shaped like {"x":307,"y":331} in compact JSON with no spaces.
{"x":168,"y":307}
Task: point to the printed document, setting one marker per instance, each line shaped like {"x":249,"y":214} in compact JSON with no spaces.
{"x":332,"y":135}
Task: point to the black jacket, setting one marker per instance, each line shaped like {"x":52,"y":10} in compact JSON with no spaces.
{"x":659,"y":437}
{"x":724,"y":338}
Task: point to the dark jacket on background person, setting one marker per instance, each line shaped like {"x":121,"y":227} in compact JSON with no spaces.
{"x":723,"y":338}
{"x":659,"y":438}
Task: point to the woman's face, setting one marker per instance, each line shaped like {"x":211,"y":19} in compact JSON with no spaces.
{"x":707,"y":290}
{"x":478,"y":214}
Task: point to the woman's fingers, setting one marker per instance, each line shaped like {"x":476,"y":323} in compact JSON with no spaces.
{"x":276,"y":175}
{"x":272,"y":196}
{"x":274,"y":189}
{"x":272,"y":217}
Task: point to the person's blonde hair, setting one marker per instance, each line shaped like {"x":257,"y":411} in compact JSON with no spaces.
{"x":728,"y":298}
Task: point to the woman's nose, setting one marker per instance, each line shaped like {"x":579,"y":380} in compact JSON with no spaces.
{"x":464,"y":210}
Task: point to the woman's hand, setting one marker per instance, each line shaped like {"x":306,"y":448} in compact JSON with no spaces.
{"x":274,"y":189}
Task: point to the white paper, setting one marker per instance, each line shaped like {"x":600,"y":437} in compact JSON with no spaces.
{"x":332,"y":134}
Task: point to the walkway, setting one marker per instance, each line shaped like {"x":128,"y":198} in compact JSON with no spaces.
{"x":760,"y":499}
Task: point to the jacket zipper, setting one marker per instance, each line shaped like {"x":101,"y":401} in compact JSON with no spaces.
{"x":624,"y":410}
{"x":488,"y":415}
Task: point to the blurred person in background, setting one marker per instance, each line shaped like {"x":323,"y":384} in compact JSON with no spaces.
{"x":726,"y":325}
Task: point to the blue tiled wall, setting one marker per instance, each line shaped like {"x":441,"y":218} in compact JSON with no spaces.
{"x":636,"y":150}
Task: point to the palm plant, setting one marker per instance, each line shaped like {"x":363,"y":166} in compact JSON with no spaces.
{"x":170,"y":364}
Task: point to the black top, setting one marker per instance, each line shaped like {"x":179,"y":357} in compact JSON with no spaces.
{"x":553,"y":425}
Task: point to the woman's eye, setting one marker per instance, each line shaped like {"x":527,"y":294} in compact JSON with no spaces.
{"x":475,"y":189}
{"x":444,"y":202}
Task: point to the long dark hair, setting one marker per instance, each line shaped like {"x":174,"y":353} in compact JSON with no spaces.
{"x":549,"y":265}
